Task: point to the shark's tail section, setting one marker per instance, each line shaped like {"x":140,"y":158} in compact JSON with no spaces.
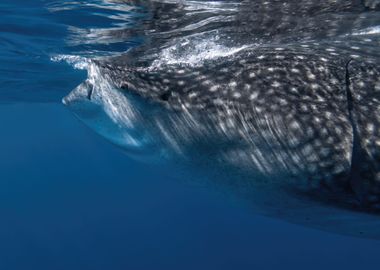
{"x":364,"y":87}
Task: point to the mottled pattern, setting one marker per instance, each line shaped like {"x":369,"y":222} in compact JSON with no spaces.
{"x":289,"y":106}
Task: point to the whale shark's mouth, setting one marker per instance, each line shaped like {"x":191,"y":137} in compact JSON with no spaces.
{"x":114,"y":115}
{"x":83,"y":102}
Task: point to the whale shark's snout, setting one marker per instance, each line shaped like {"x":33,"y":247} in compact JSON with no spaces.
{"x":114,"y":116}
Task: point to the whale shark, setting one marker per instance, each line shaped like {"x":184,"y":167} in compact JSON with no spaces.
{"x":290,"y":124}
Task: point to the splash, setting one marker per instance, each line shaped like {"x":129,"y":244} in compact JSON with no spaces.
{"x":76,"y":61}
{"x":194,"y":52}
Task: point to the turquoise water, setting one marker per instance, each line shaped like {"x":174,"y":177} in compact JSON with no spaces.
{"x":71,"y":200}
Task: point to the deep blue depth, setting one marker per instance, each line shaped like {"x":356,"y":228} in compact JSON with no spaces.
{"x":70,"y":200}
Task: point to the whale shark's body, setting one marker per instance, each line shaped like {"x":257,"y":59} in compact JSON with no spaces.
{"x":295,"y":126}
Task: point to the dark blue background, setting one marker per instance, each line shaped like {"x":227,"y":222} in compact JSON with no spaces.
{"x":70,"y":200}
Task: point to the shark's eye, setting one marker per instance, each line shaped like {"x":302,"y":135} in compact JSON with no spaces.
{"x":89,"y":88}
{"x":166,"y":95}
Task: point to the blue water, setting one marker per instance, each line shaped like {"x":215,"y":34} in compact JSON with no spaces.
{"x":71,"y":200}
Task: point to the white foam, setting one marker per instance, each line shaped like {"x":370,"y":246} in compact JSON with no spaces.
{"x":375,"y":30}
{"x":101,"y":4}
{"x":78,"y":62}
{"x":194,"y":52}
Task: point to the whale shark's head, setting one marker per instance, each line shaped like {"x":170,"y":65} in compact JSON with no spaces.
{"x":125,"y":119}
{"x":140,"y":113}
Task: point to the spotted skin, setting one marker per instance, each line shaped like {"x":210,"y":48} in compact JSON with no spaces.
{"x":365,"y":88}
{"x":293,"y":101}
{"x":291,"y":117}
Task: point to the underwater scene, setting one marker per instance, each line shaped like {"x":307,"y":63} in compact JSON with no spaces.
{"x":189,"y":134}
